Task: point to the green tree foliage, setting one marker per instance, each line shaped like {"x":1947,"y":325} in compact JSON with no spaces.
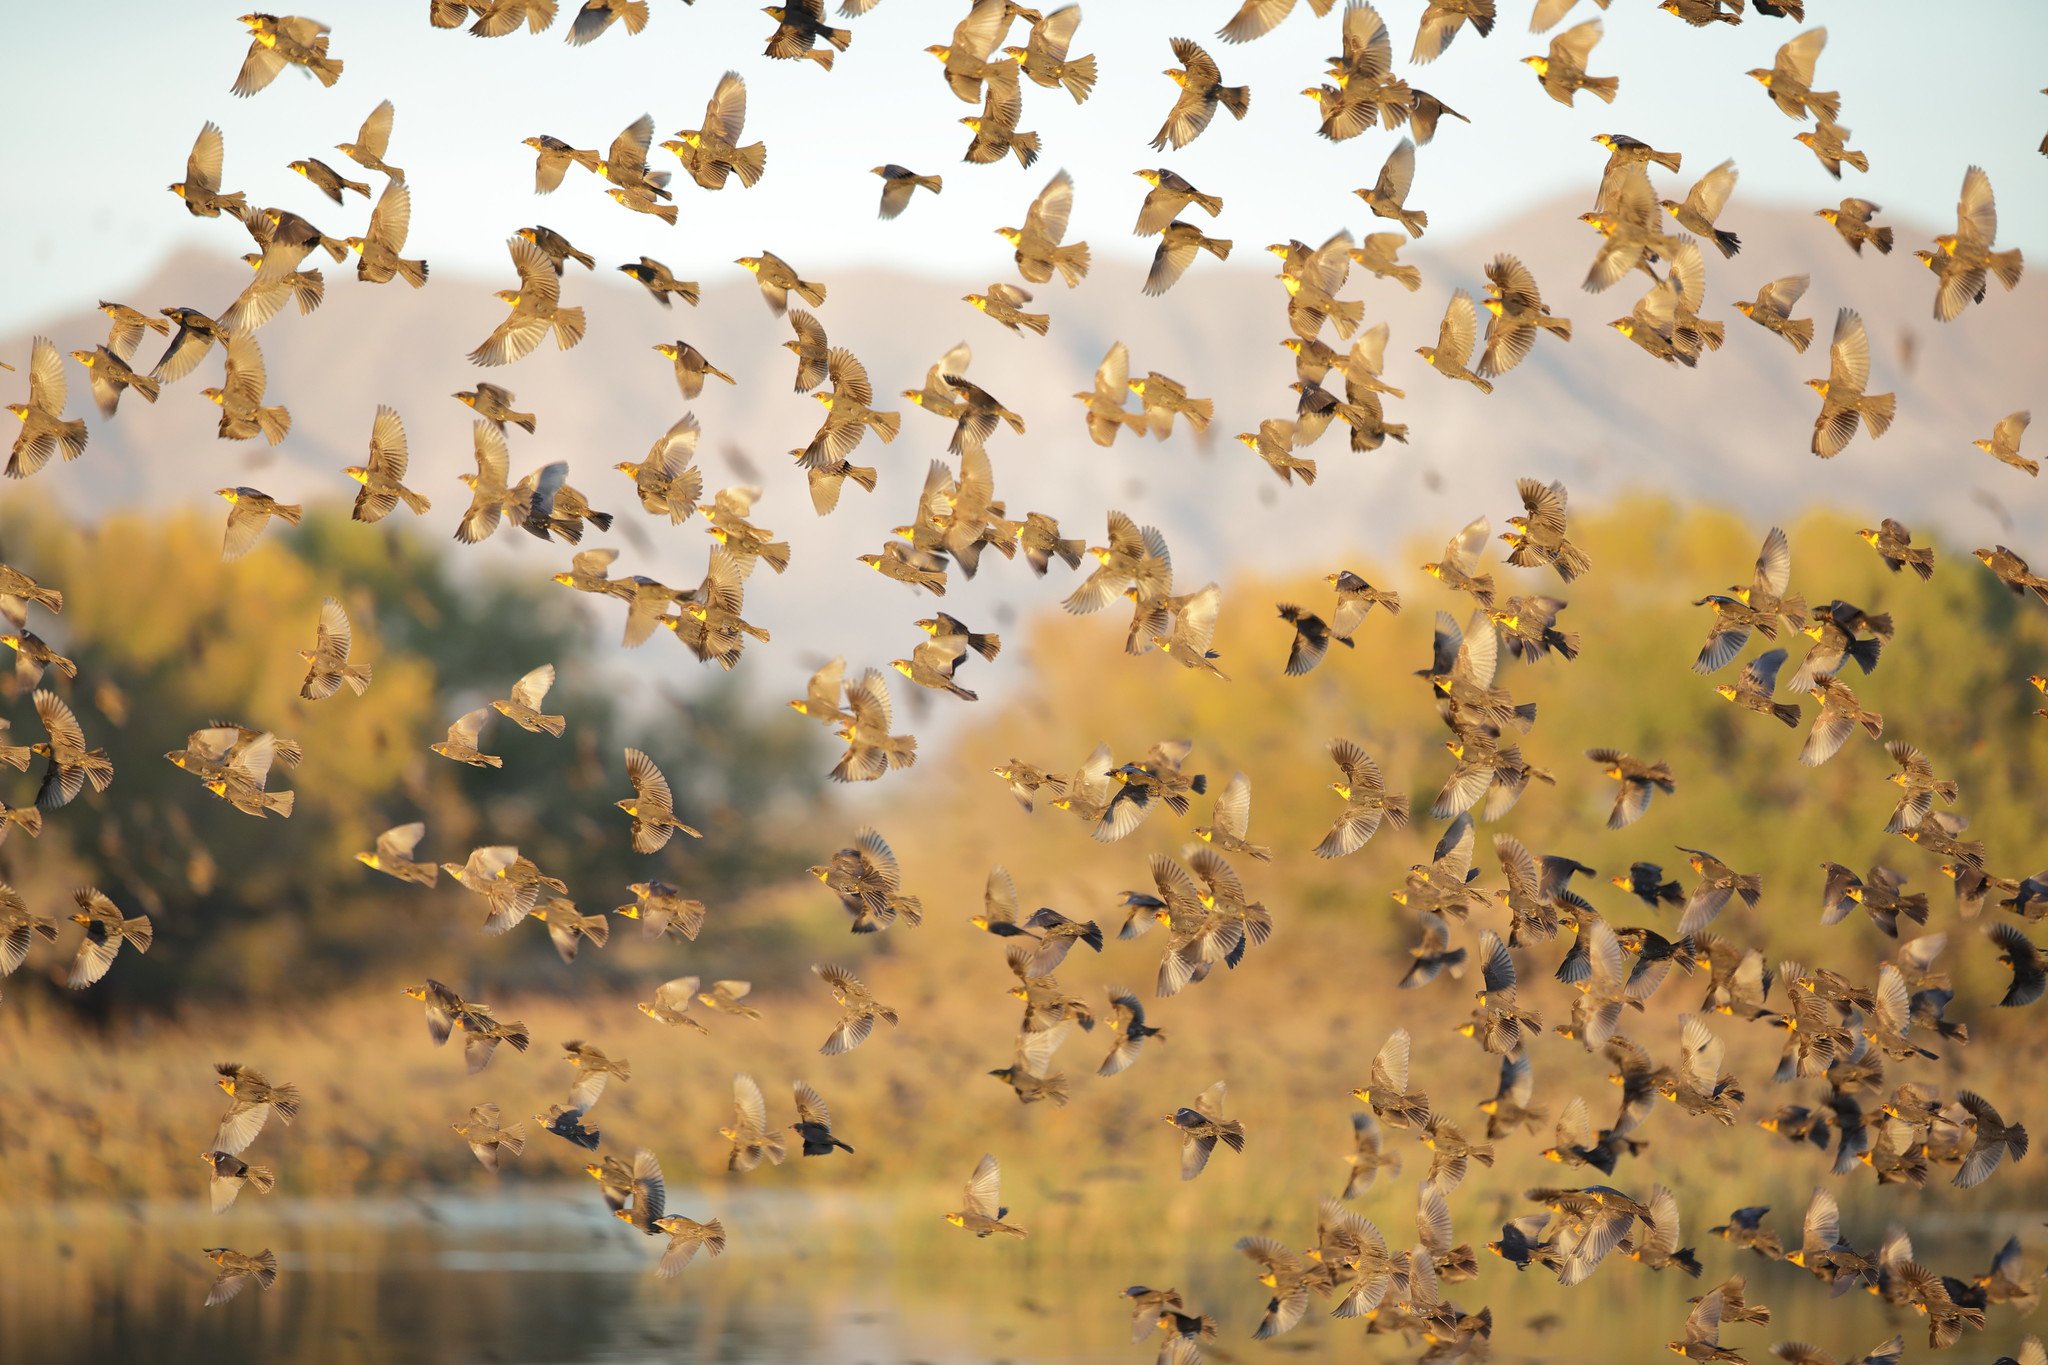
{"x":168,"y":638}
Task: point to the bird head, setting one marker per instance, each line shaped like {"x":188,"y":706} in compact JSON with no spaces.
{"x":956,"y":1219}
{"x":177,"y":188}
{"x":416,"y":992}
{"x":1176,"y":75}
{"x":219,"y":787}
{"x":629,"y":806}
{"x":971,"y":123}
{"x":1011,"y":235}
{"x":980,"y":301}
{"x":1428,"y":354}
{"x":1819,"y":386}
{"x":19,"y":410}
{"x":1746,"y":308}
{"x":1540,"y":65}
{"x":1831,"y":215}
{"x":508,"y":297}
{"x":752,"y":264}
{"x":1804,"y":138}
{"x":1727,"y":693}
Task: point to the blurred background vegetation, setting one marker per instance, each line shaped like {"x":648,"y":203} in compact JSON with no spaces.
{"x":276,"y":949}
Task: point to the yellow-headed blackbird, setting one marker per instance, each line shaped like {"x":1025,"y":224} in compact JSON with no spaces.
{"x":264,"y":298}
{"x":536,"y":310}
{"x":1038,"y":242}
{"x":861,"y":1012}
{"x":252,"y":1101}
{"x":554,"y":157}
{"x":1563,"y":72}
{"x":995,"y":127}
{"x":565,"y":1121}
{"x":1455,"y":340}
{"x":229,"y":1173}
{"x":813,"y":1125}
{"x":975,"y":38}
{"x":1044,"y":55}
{"x":1639,"y":781}
{"x":487,"y":1138}
{"x":1387,"y":197}
{"x":69,"y":765}
{"x":1894,"y":545}
{"x":749,"y":1134}
{"x":799,"y":28}
{"x":494,"y":405}
{"x":243,"y":414}
{"x":385,"y":238}
{"x":1961,"y":259}
{"x":1844,"y":403}
{"x":238,"y":1270}
{"x":1772,"y":310}
{"x":1538,"y":535}
{"x":1789,"y":79}
{"x":1516,"y":313}
{"x":383,"y":476}
{"x":660,"y":283}
{"x":691,"y":367}
{"x":1168,"y":196}
{"x":275,"y":43}
{"x":327,"y":664}
{"x":200,"y":189}
{"x":1201,"y":90}
{"x":1178,"y":243}
{"x":596,"y":16}
{"x":1201,"y":1126}
{"x":1753,"y":689}
{"x":108,"y":374}
{"x":1366,"y":802}
{"x":981,"y":1211}
{"x":899,"y":183}
{"x":1851,"y":219}
{"x":1703,"y":204}
{"x":2003,"y":444}
{"x":372,"y":142}
{"x":2009,"y":567}
{"x":652,"y":805}
{"x":1441,"y":20}
{"x":777,"y":278}
{"x":33,"y":655}
{"x":249,"y":511}
{"x":1829,"y":143}
{"x":106,"y":929}
{"x":393,"y":855}
{"x":711,"y":152}
{"x":44,"y":431}
{"x":464,"y":736}
{"x":326,"y":179}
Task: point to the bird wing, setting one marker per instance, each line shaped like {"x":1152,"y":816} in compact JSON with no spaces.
{"x":1976,"y":211}
{"x":532,"y":689}
{"x":1774,"y":562}
{"x":1781,"y":295}
{"x":1459,"y":332}
{"x":203,"y":165}
{"x":1849,"y":354}
{"x":1797,"y":57}
{"x":1575,"y":44}
{"x":984,"y":1188}
{"x":391,"y":220}
{"x":650,"y":787}
{"x":399,"y":841}
{"x":388,"y":456}
{"x":1398,"y":174}
{"x":810,"y":1106}
{"x":1049,"y":213}
{"x":467,"y":729}
{"x":375,"y":137}
{"x":331,"y":637}
{"x":725,"y":117}
{"x":537,"y":281}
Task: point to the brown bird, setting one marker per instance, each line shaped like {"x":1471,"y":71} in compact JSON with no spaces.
{"x":327,"y":663}
{"x":1387,"y":197}
{"x":2004,"y":443}
{"x":1844,"y":402}
{"x":1201,"y":91}
{"x":536,"y":310}
{"x":652,"y":805}
{"x":1455,"y":340}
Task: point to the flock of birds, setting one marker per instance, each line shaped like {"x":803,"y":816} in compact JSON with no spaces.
{"x":1841,"y":1031}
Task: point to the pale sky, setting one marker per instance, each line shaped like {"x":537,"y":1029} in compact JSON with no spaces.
{"x":107,"y":99}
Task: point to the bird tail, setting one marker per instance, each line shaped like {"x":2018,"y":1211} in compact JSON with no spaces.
{"x":665,"y":212}
{"x":1415,"y":221}
{"x":48,"y":598}
{"x":518,"y":1035}
{"x":569,"y":325}
{"x":1877,"y":409}
{"x":1728,"y":242}
{"x":1199,"y":412}
{"x":1091,"y":933}
{"x":813,"y":294}
{"x":266,"y":1260}
{"x":777,"y":555}
{"x":309,"y":287}
{"x":147,"y":386}
{"x":1826,"y":103}
{"x":1799,"y":331}
{"x":1865,"y":652}
{"x":139,"y":932}
{"x":1078,"y":76}
{"x":1054,"y":1088}
{"x":1236,"y":98}
{"x":1604,"y":86}
{"x":28,"y":817}
{"x":275,"y":423}
{"x":523,"y":420}
{"x":414,"y":501}
{"x":1219,"y":247}
{"x":1785,"y":711}
{"x":336,"y":248}
{"x":749,"y":162}
{"x":289,"y":513}
{"x":1408,"y":276}
{"x":1037,"y":322}
{"x":68,"y":667}
{"x":513,"y":1139}
{"x":1072,"y":262}
{"x":864,"y":475}
{"x":1561,"y":326}
{"x":280,"y":803}
{"x":1345,"y":315}
{"x":987,"y":646}
{"x":357,"y":676}
{"x":1881,"y":238}
{"x":1856,"y":159}
{"x":426,"y":874}
{"x":886,"y":425}
{"x":413,"y":273}
{"x":587,"y":261}
{"x":358,"y":186}
{"x":1025,"y":145}
{"x":934,"y":183}
{"x":2008,"y":266}
{"x":552,"y":725}
{"x":838,"y":37}
{"x":1670,"y":161}
{"x":71,"y":437}
{"x":821,"y":55}
{"x":328,"y":69}
{"x":601,"y":520}
{"x":1232,"y":1133}
{"x":262,"y":1178}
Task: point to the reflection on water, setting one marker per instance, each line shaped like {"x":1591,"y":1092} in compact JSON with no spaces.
{"x":542,"y":1276}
